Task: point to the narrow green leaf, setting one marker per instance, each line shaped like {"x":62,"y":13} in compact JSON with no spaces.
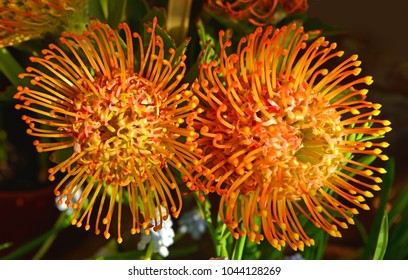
{"x":399,"y":205}
{"x":321,"y":248}
{"x":180,"y":51}
{"x":398,"y":239}
{"x":362,"y":230}
{"x":376,"y":227}
{"x":116,"y":12}
{"x":5,"y":245}
{"x":136,"y":11}
{"x":10,"y":67}
{"x":382,"y":241}
{"x":168,"y":42}
{"x":158,"y":13}
{"x":95,"y":9}
{"x":207,"y":42}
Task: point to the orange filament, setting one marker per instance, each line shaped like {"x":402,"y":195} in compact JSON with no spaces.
{"x":257,"y":12}
{"x":124,"y":126}
{"x":24,"y":20}
{"x":281,"y":136}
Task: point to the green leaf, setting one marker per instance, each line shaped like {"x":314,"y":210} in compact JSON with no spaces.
{"x":158,"y":13}
{"x":376,"y":227}
{"x":180,"y":51}
{"x":168,"y":42}
{"x":5,"y":245}
{"x":95,"y":9}
{"x":116,"y":12}
{"x":398,"y":240}
{"x":209,"y":50}
{"x":321,"y":239}
{"x":136,"y":11}
{"x":362,"y":230}
{"x":10,"y":67}
{"x":399,"y":205}
{"x":382,"y":239}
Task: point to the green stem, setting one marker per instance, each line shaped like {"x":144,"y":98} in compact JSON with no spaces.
{"x":204,"y":207}
{"x":219,"y":234}
{"x":36,"y":242}
{"x":149,"y":251}
{"x":50,"y":240}
{"x":222,"y":238}
{"x":239,"y":248}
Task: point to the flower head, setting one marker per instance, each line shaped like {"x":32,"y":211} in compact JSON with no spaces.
{"x":282,"y":136}
{"x":258,"y":12}
{"x":119,"y":111}
{"x":24,"y":20}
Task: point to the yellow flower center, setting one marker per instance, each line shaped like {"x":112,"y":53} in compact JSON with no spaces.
{"x":120,"y":131}
{"x":279,"y":138}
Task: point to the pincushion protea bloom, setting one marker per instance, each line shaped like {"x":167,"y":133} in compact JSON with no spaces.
{"x":258,"y":12}
{"x":282,"y":136}
{"x":29,"y":19}
{"x":125,"y":123}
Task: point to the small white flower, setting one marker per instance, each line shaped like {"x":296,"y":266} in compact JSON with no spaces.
{"x":63,"y":206}
{"x":162,"y":238}
{"x":296,"y":256}
{"x":193,"y":223}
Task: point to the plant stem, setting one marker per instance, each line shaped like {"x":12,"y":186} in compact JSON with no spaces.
{"x":37,"y":242}
{"x":149,"y":251}
{"x":205,"y":208}
{"x":48,"y":242}
{"x":239,"y":248}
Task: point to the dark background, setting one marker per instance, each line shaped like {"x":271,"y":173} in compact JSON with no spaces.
{"x":377,"y":32}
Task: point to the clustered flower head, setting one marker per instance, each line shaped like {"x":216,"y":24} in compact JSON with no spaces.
{"x":257,"y":12}
{"x":121,"y":112}
{"x":30,"y":19}
{"x":193,"y":223}
{"x":281,"y":136}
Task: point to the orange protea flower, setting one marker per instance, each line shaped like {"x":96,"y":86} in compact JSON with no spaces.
{"x":258,"y":12}
{"x":282,"y":136}
{"x":125,"y":123}
{"x":22,"y":20}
